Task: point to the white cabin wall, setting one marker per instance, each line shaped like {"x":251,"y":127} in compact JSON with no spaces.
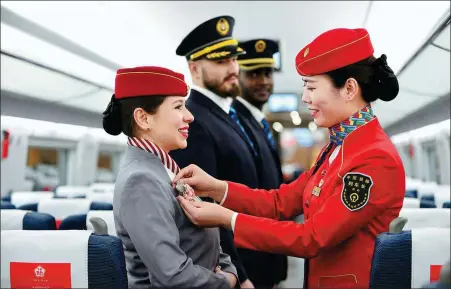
{"x":13,"y":167}
{"x":84,"y":162}
{"x":444,"y":158}
{"x":420,"y":161}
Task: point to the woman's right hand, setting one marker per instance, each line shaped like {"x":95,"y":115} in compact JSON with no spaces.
{"x":230,"y":277}
{"x":203,"y":184}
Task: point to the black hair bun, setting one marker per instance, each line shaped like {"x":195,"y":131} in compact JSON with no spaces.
{"x":385,"y":81}
{"x":112,"y":123}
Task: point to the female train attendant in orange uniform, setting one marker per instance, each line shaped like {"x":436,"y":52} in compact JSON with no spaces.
{"x":352,"y":193}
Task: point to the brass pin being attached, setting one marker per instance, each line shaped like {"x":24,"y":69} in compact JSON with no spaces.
{"x":186,"y":191}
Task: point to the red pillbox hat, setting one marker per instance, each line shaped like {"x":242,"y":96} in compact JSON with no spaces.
{"x":148,"y":81}
{"x":334,"y":49}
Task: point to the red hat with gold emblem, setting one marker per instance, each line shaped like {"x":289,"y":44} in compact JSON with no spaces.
{"x":334,"y":49}
{"x":148,"y":81}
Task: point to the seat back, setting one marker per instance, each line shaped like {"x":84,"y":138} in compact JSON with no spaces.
{"x":411,"y":203}
{"x":7,"y":206}
{"x":427,"y":188}
{"x":101,"y":206}
{"x":61,"y":208}
{"x":427,"y":204}
{"x":438,"y":197}
{"x":81,"y":221}
{"x":29,"y":207}
{"x":61,"y":259}
{"x":23,"y":198}
{"x":392,"y":259}
{"x":441,"y":198}
{"x":12,"y":219}
{"x":428,"y":198}
{"x":426,"y":218}
{"x":409,"y":259}
{"x":412,"y":186}
{"x":25,"y":220}
{"x":73,"y":222}
{"x":101,"y":197}
{"x":71,"y":191}
{"x":102,"y":187}
{"x":430,"y":251}
{"x":411,"y":194}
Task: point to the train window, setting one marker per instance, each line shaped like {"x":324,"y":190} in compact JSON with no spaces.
{"x":46,"y":167}
{"x":106,"y":168}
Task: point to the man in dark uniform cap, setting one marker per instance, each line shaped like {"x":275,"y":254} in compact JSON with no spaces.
{"x":217,"y":142}
{"x":256,"y":80}
{"x":257,"y":84}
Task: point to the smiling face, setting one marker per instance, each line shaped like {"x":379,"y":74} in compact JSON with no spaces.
{"x":168,"y":126}
{"x":171,"y":123}
{"x":218,"y":76}
{"x":257,"y":85}
{"x":329,"y":105}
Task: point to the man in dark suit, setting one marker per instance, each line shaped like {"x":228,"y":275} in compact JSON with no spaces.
{"x":256,"y":80}
{"x":217,"y":142}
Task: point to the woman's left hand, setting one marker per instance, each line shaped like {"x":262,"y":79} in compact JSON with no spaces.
{"x":205,"y":214}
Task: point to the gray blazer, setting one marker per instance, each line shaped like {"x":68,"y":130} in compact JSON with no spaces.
{"x":162,"y":247}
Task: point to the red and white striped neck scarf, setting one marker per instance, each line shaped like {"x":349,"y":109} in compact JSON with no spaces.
{"x":152,"y":148}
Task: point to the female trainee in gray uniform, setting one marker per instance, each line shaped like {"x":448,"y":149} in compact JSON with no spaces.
{"x":162,"y":247}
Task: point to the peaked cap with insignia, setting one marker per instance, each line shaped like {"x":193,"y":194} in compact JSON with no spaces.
{"x":211,"y":40}
{"x":259,"y":53}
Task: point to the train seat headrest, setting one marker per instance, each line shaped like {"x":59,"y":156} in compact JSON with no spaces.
{"x":81,"y":221}
{"x":101,"y":197}
{"x":411,"y":203}
{"x":426,"y":218}
{"x":61,"y":259}
{"x":71,"y":191}
{"x":23,"y":198}
{"x":26,"y":220}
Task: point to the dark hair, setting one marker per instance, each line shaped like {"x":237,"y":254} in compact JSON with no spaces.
{"x":375,"y":78}
{"x":118,"y":116}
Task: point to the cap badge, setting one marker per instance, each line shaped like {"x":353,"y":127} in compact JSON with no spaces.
{"x":306,"y":52}
{"x":260,"y":46}
{"x":222,"y":27}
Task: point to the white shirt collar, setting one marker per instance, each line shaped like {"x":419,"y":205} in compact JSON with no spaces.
{"x":334,"y":154}
{"x":223,"y":103}
{"x":258,"y":114}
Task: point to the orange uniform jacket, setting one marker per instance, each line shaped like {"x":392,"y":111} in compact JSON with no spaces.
{"x":350,"y":199}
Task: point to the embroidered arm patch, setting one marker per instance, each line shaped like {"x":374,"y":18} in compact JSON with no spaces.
{"x":356,"y":190}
